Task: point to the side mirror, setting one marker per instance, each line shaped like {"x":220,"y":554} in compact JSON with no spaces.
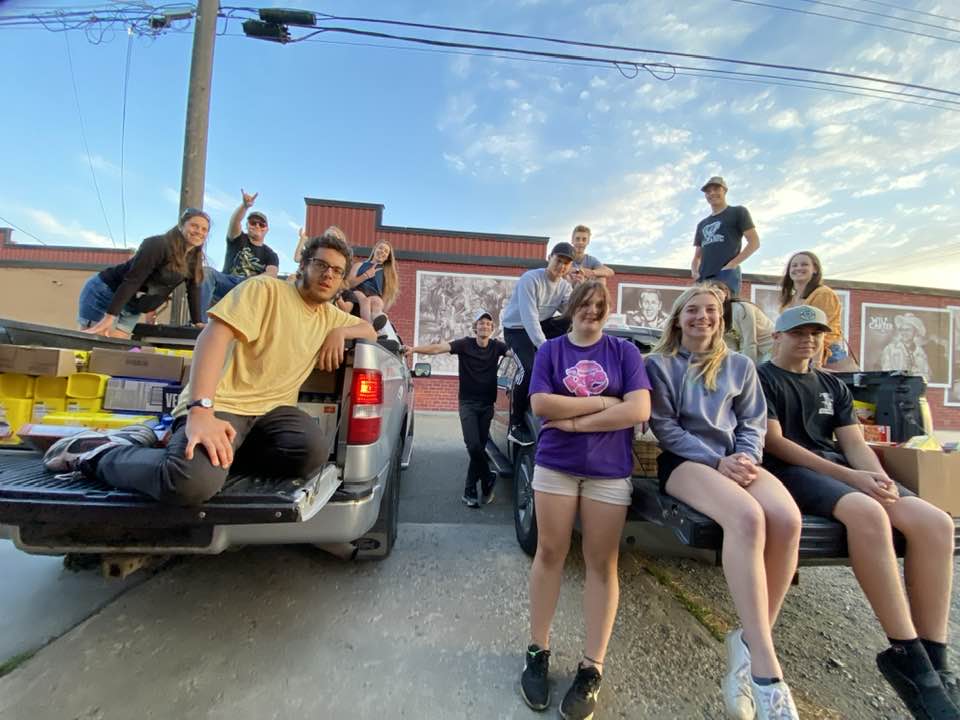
{"x":422,"y":370}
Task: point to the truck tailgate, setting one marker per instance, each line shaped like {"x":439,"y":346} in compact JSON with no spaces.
{"x":30,"y":494}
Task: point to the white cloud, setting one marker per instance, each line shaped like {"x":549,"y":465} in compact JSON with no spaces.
{"x":785,"y":120}
{"x":72,"y":231}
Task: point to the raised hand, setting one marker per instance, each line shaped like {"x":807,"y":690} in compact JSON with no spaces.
{"x":248,"y":199}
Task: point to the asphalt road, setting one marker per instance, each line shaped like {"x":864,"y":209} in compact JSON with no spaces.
{"x":435,"y":631}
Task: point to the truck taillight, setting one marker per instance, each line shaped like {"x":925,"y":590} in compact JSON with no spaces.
{"x":366,"y":407}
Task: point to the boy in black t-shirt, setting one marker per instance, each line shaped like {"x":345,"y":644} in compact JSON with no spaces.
{"x":814,"y":444}
{"x":719,"y":238}
{"x":479,"y":357}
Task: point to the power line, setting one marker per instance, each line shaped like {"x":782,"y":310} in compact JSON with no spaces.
{"x":846,"y":19}
{"x":20,"y":229}
{"x":910,"y":10}
{"x":83,"y":136}
{"x":878,"y":14}
{"x":604,"y":46}
{"x":123,"y":134}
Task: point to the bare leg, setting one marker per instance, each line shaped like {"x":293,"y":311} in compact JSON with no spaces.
{"x":602,"y":525}
{"x":874,"y":563}
{"x":782,"y":548}
{"x":364,"y":302}
{"x":376,"y":305}
{"x":555,"y":516}
{"x":744,"y":537}
{"x":928,"y":565}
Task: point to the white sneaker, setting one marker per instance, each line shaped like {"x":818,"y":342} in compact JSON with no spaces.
{"x":774,"y":702}
{"x":737,"y":694}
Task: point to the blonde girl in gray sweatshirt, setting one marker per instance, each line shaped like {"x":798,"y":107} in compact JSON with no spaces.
{"x":709,"y":415}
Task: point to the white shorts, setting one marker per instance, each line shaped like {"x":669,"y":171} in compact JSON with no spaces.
{"x":616,"y":491}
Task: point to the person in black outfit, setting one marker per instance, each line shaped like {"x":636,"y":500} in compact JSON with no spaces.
{"x":479,"y":357}
{"x":815,"y":446}
{"x":112,"y":301}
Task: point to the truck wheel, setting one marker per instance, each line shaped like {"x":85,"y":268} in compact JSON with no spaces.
{"x":524,"y":514}
{"x":379,"y":541}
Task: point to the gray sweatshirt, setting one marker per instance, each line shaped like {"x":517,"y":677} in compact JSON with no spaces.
{"x":705,"y":426}
{"x":534,"y":299}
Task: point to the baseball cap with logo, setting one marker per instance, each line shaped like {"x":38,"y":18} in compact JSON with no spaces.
{"x":257,"y":214}
{"x":801,"y":315}
{"x":715,"y":180}
{"x":483,"y":314}
{"x":563,"y":249}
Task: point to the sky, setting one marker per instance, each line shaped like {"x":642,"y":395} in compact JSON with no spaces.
{"x":469,"y":142}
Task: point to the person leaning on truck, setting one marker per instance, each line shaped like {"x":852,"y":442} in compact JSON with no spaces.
{"x":246,"y":407}
{"x":843,"y":479}
{"x":112,"y":301}
{"x":479,"y":357}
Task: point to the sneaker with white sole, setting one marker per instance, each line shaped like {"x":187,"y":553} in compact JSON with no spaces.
{"x":774,"y":701}
{"x":66,"y":453}
{"x":737,"y":694}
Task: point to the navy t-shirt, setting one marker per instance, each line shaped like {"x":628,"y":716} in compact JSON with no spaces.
{"x":720,"y":238}
{"x":478,"y":368}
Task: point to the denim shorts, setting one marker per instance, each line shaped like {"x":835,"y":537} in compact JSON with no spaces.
{"x":730,"y":278}
{"x":613,"y":491}
{"x":95,"y":298}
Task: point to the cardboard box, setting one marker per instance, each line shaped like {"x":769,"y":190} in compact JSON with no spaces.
{"x":135,"y":395}
{"x":934,"y":476}
{"x":140,"y":365}
{"x":37,"y":360}
{"x":324,"y":413}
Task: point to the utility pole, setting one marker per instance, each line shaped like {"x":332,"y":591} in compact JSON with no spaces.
{"x":198,"y":122}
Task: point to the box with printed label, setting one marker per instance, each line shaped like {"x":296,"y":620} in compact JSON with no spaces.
{"x":145,"y":365}
{"x":135,"y":395}
{"x":324,"y":413}
{"x":37,"y":360}
{"x":933,"y":475}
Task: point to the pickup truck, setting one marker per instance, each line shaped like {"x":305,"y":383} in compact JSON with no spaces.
{"x":672,"y":525}
{"x":352,"y":499}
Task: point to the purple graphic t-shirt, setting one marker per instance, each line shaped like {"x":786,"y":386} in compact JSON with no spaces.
{"x":612,"y":367}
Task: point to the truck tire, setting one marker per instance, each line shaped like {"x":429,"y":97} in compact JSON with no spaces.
{"x":379,"y":541}
{"x":524,"y":512}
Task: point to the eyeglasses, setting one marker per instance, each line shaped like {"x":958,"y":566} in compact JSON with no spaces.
{"x":322,"y":266}
{"x":256,"y":223}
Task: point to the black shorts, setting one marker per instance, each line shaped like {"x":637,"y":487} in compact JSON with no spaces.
{"x":815,"y":493}
{"x":667,"y":462}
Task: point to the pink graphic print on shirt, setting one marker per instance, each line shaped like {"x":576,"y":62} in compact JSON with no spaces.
{"x":585,"y":378}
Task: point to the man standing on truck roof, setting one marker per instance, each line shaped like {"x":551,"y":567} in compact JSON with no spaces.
{"x":247,"y":254}
{"x":529,"y":319}
{"x":242,"y":401}
{"x":719,"y":238}
{"x":478,"y":360}
{"x":844,"y":480}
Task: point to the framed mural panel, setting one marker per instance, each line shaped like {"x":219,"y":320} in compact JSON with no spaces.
{"x":951,"y":396}
{"x":447,"y":304}
{"x":915,"y":340}
{"x":647,"y":305}
{"x":768,"y":298}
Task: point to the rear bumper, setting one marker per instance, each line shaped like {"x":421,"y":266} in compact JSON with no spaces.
{"x":338,"y":521}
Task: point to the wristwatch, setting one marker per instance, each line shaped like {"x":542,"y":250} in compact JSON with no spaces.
{"x":201,"y":402}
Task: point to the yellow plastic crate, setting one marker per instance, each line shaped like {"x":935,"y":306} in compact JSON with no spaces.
{"x":16,"y":385}
{"x":14,"y":413}
{"x":45,"y":406}
{"x":87,"y":386}
{"x":83,"y":405}
{"x":96,"y":420}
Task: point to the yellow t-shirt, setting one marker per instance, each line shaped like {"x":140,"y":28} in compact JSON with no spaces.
{"x":279,"y":337}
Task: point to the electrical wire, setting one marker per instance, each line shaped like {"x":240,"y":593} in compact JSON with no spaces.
{"x":878,"y":14}
{"x":910,"y":10}
{"x":20,"y":229}
{"x":83,"y":137}
{"x":123,"y":134}
{"x":865,"y":23}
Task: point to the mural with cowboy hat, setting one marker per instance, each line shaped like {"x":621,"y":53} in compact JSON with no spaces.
{"x":915,"y":340}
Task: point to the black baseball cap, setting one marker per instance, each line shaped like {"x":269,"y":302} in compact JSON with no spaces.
{"x":564,"y":249}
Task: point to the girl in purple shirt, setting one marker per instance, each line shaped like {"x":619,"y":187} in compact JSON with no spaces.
{"x":591,"y":389}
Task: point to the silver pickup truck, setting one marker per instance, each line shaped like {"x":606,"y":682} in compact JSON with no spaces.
{"x":352,"y":499}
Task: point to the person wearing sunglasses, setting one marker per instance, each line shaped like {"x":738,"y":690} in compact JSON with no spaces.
{"x":112,"y":302}
{"x":238,"y":412}
{"x":247,"y":254}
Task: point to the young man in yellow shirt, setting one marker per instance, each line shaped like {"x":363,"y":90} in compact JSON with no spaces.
{"x":247,"y":407}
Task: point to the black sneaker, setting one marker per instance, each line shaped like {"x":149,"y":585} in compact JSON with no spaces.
{"x":470,"y":501}
{"x":951,"y":683}
{"x":924,"y":695}
{"x":534,"y":686}
{"x":581,"y":698}
{"x":520,"y":435}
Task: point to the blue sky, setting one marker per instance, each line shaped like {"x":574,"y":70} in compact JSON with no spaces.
{"x":487,"y":144}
